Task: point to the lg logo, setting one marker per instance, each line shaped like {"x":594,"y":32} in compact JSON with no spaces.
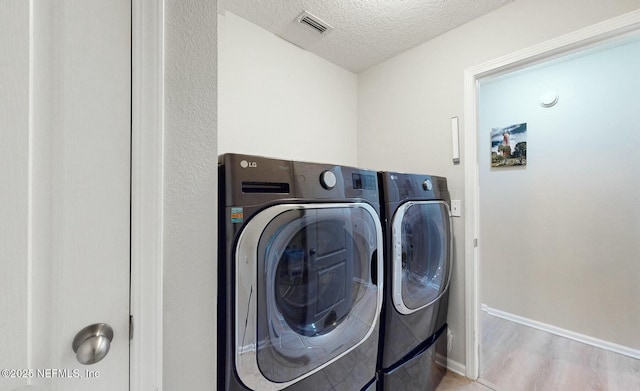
{"x":245,"y":164}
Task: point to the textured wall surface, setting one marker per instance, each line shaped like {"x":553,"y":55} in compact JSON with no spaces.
{"x":405,"y":104}
{"x":190,"y":235}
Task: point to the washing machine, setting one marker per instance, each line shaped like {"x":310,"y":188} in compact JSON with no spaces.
{"x":418,"y":255}
{"x":301,"y":275}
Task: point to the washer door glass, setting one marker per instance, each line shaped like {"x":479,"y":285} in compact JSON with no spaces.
{"x":318,"y":299}
{"x":421,"y":254}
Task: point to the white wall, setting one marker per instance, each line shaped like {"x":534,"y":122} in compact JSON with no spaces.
{"x":405,"y":103}
{"x":190,"y":192}
{"x":559,"y":237}
{"x":279,"y":100}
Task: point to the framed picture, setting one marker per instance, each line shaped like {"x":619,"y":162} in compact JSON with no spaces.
{"x":509,"y":146}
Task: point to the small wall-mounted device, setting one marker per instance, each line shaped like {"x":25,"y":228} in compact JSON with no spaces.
{"x":455,"y":142}
{"x":549,"y":99}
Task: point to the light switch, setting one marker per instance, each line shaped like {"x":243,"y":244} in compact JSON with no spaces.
{"x":456,"y":208}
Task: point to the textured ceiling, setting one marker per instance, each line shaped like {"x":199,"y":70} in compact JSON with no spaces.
{"x":366,"y":32}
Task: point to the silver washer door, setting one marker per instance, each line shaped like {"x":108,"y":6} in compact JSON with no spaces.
{"x":421,"y":254}
{"x":305,"y":292}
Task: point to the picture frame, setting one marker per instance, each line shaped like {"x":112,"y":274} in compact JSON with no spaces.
{"x":509,"y":146}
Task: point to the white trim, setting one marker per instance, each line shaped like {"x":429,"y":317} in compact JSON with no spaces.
{"x":456,"y":367}
{"x":30,"y":169}
{"x":471,"y":227}
{"x":559,"y":46}
{"x":147,"y":194}
{"x":586,"y":339}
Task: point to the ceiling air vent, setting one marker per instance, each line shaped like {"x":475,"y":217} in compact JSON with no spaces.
{"x":313,"y":22}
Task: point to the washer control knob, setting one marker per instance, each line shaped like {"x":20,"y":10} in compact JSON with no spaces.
{"x":328,"y":180}
{"x":427,"y":185}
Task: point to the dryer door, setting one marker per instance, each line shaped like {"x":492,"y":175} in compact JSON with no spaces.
{"x":307,"y":292}
{"x":421,"y":253}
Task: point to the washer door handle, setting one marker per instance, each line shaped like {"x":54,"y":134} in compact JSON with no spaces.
{"x":374,"y":267}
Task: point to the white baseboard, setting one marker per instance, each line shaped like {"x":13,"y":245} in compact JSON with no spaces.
{"x":456,"y":367}
{"x":599,"y":343}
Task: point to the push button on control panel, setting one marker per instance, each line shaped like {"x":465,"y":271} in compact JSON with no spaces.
{"x":328,"y":180}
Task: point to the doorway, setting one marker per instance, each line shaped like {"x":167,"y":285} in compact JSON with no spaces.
{"x":614,"y":29}
{"x":555,"y":257}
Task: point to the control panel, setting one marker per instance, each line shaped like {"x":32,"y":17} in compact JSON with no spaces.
{"x":364,"y":181}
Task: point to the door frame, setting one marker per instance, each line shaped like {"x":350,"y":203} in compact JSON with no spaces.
{"x":560,"y":46}
{"x":147,"y":198}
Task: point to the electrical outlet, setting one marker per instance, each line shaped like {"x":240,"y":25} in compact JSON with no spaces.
{"x":456,"y":208}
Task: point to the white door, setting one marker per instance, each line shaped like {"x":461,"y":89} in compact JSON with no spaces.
{"x":65,"y":94}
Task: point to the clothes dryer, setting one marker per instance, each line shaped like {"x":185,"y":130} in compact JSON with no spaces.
{"x":301,"y":273}
{"x":418,"y":248}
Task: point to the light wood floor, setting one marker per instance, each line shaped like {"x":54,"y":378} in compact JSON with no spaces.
{"x":454,"y":382}
{"x":516,"y":357}
{"x":520,"y":358}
